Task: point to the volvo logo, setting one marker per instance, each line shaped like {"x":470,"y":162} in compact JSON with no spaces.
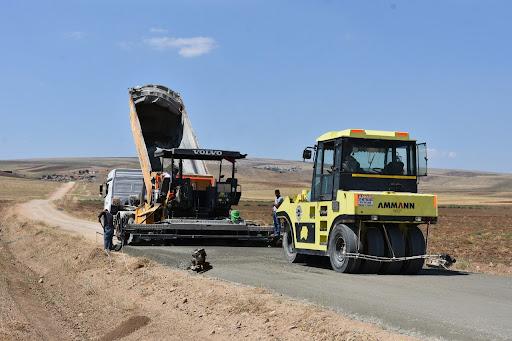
{"x":207,"y":152}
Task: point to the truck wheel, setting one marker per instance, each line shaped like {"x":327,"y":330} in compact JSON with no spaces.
{"x":414,"y":246}
{"x":128,"y":238}
{"x":396,"y":239}
{"x":374,"y":247}
{"x":343,"y":240}
{"x":288,"y":245}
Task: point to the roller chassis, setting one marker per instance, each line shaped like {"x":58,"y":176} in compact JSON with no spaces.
{"x":375,"y":240}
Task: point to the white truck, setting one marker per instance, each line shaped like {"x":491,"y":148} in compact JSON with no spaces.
{"x":123,"y":189}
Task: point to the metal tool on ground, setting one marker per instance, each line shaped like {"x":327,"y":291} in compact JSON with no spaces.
{"x":199,"y":263}
{"x":363,"y":209}
{"x":443,"y":261}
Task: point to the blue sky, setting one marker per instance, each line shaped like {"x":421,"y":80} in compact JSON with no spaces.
{"x":265,"y":78}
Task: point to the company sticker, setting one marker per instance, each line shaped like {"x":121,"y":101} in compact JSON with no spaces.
{"x":298,"y":213}
{"x":364,"y":200}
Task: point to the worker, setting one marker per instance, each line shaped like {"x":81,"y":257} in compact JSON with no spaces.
{"x":106,"y":220}
{"x":350,"y":164}
{"x":166,"y":183}
{"x":395,"y":167}
{"x":277,"y":202}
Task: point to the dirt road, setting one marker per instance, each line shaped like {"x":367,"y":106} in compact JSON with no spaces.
{"x":433,"y":304}
{"x":45,"y":211}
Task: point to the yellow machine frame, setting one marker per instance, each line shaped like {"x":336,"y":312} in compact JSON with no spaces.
{"x":317,"y":218}
{"x":309,"y":223}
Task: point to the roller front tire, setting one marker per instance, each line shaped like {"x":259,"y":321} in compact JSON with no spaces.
{"x":343,"y":240}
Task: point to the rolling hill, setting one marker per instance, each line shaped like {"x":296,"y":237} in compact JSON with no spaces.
{"x":259,"y":177}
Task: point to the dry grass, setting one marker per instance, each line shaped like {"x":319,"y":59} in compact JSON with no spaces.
{"x":38,"y":167}
{"x":83,"y":209}
{"x":469,"y":198}
{"x":257,"y":211}
{"x":19,"y":189}
{"x":83,"y":201}
{"x":260,"y":177}
{"x":479,"y":237}
{"x":85,"y":191}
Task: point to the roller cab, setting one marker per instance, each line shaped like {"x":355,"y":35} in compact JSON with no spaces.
{"x":363,"y":209}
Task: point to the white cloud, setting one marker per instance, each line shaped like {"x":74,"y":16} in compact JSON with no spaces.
{"x":452,"y":155}
{"x":75,"y":35}
{"x":125,"y":45}
{"x":187,"y":47}
{"x":440,"y":154}
{"x":157,"y":30}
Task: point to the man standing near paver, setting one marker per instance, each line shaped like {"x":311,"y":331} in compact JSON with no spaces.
{"x":277,"y":202}
{"x":106,"y":220}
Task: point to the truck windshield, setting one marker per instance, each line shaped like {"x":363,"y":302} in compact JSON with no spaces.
{"x":126,"y":187}
{"x":386,"y":157}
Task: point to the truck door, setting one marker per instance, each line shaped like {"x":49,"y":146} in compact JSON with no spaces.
{"x":108,"y":194}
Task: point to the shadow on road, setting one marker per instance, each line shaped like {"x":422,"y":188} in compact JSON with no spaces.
{"x":441,"y":272}
{"x":209,"y":242}
{"x":324,"y":263}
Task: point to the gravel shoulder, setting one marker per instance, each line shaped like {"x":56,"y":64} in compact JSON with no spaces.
{"x":434,"y":304}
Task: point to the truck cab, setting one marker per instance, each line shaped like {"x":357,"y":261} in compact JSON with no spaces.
{"x":122,"y":189}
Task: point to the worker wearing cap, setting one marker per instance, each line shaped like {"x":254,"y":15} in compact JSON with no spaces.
{"x":106,"y":220}
{"x":277,"y":202}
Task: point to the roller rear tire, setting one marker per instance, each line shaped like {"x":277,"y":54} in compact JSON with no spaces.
{"x":374,"y":246}
{"x":396,"y":239}
{"x":414,"y":246}
{"x":343,"y":240}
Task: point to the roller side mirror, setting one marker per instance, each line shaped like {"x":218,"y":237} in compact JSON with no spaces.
{"x":306,"y":154}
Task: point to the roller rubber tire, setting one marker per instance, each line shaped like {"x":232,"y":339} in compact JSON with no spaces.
{"x":374,"y":246}
{"x":289,"y":248}
{"x":342,"y":238}
{"x":414,"y":246}
{"x":396,"y":239}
